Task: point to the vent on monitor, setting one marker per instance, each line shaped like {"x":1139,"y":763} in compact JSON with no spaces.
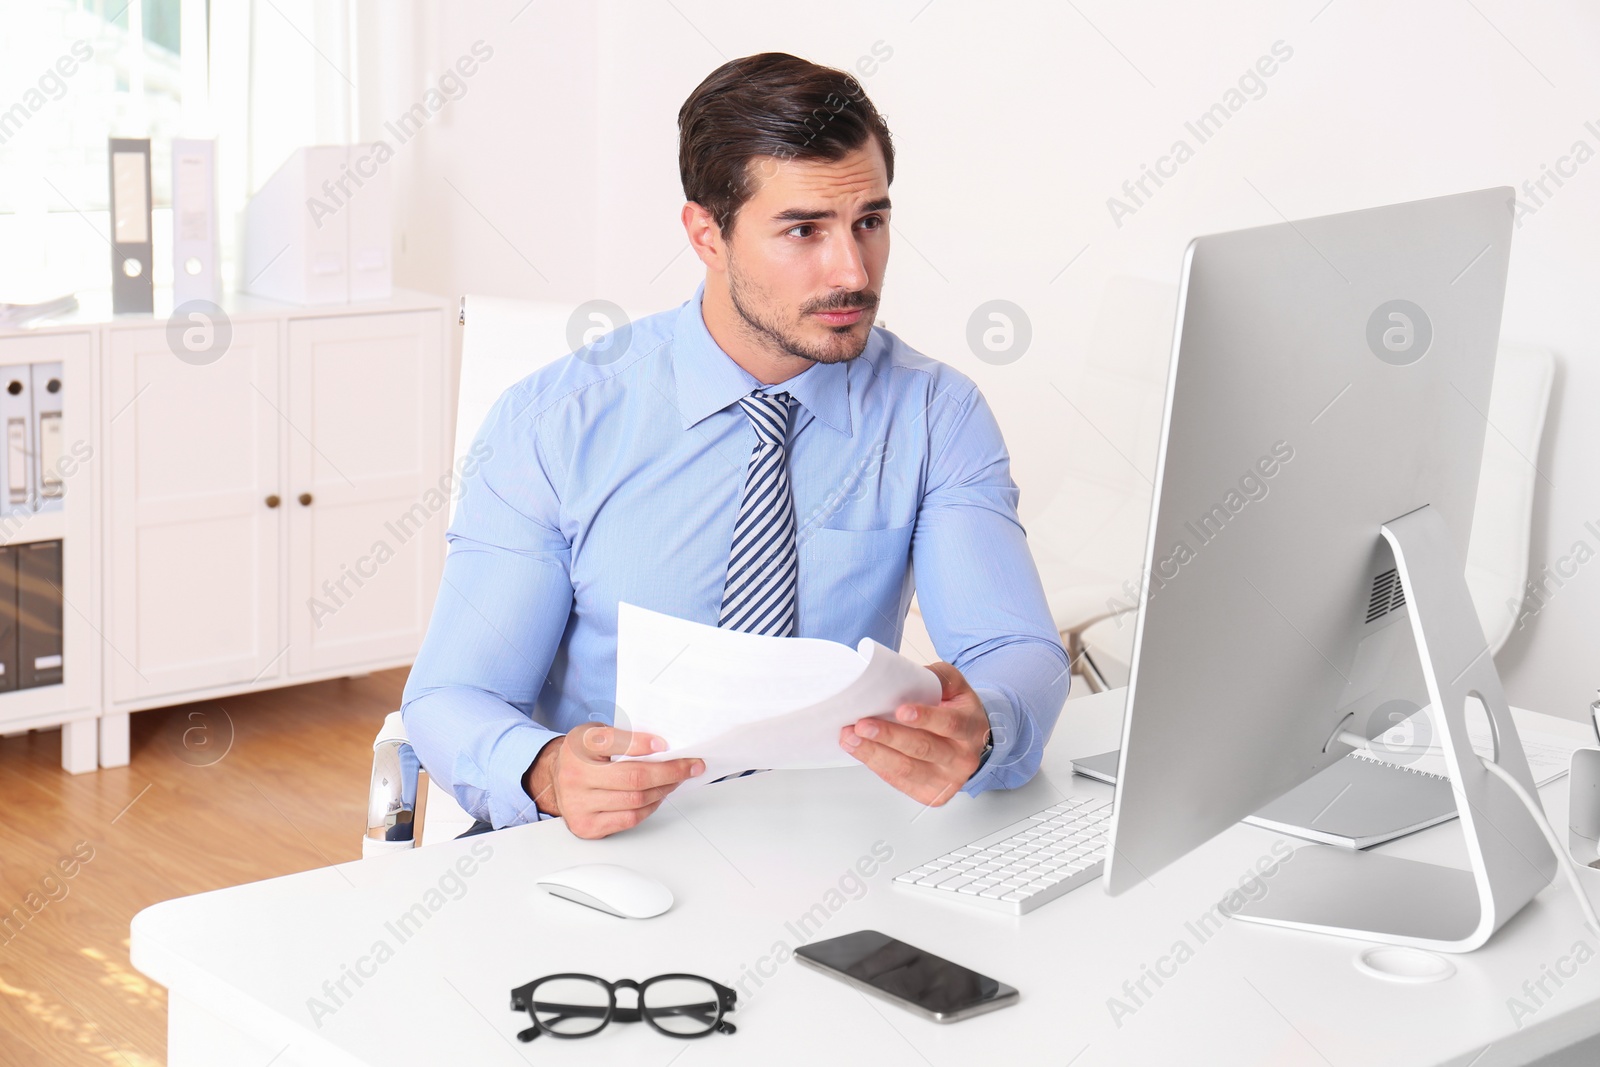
{"x":1387,"y":595}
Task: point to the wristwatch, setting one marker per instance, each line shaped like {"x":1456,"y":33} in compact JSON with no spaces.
{"x":988,"y":747}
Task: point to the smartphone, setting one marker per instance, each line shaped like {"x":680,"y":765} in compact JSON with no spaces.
{"x":910,"y":977}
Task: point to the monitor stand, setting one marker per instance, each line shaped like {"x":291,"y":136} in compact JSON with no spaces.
{"x":1376,"y":897}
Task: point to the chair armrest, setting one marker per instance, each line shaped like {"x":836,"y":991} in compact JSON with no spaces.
{"x":394,"y":800}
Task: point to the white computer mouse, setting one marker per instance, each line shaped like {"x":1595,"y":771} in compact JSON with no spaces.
{"x":609,"y":888}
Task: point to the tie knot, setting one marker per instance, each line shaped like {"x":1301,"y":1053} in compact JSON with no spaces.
{"x":769,"y":414}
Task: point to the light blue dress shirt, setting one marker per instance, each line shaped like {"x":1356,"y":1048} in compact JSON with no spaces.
{"x":618,"y":477}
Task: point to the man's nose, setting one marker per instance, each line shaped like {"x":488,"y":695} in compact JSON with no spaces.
{"x":847,"y":268}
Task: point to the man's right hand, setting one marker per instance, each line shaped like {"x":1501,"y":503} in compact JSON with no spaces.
{"x":574,"y":777}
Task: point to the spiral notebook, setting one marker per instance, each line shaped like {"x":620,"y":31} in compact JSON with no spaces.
{"x":1369,"y":797}
{"x":1359,"y":802}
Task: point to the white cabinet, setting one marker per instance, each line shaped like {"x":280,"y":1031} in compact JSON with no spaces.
{"x":271,"y":516}
{"x":365,"y":507}
{"x":194,"y":515}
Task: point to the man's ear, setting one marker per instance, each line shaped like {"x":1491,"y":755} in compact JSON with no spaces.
{"x":705,"y":237}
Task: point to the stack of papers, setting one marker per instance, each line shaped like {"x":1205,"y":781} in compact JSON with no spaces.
{"x":13,"y":315}
{"x":746,"y":702}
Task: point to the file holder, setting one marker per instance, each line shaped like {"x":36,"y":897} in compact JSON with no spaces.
{"x":132,"y":282}
{"x":16,"y":420}
{"x":8,"y":618}
{"x":195,"y":254}
{"x":45,"y":440}
{"x":39,"y":614}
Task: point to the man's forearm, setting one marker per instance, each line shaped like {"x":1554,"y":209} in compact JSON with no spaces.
{"x":479,"y":748}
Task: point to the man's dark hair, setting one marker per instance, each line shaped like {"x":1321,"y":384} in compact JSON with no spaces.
{"x":772,"y":104}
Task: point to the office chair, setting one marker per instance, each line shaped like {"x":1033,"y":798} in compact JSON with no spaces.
{"x":1497,"y":553}
{"x":1088,"y":541}
{"x":502,"y":342}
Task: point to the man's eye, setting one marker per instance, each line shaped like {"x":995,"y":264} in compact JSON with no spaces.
{"x":805,"y":229}
{"x":871,"y":222}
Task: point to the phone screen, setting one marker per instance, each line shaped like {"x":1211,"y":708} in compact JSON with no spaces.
{"x":906,"y":972}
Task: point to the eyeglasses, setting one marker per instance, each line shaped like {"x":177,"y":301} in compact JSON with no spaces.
{"x":578,"y":1005}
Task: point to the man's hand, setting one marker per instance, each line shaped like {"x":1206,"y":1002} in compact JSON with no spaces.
{"x":575,"y":778}
{"x":927,"y":751}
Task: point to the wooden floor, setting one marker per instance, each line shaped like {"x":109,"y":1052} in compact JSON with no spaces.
{"x":218,"y":793}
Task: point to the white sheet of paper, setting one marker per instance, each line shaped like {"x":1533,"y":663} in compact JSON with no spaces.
{"x":743,"y":701}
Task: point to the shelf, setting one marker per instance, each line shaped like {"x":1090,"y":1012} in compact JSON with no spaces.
{"x":21,"y":526}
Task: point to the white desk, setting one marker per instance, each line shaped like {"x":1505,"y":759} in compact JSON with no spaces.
{"x":748,"y":859}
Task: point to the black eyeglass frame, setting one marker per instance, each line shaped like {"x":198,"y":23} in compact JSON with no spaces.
{"x":522,"y":1000}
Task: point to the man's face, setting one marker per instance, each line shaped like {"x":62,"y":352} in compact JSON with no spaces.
{"x":807,"y":253}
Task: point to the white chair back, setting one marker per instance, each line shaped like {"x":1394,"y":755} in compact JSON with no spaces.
{"x":502,"y":342}
{"x":1502,"y":521}
{"x":1088,"y":542}
{"x":1497,"y":553}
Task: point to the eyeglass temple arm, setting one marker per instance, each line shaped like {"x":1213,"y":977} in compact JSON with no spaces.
{"x":621,"y":1015}
{"x":703,"y":1012}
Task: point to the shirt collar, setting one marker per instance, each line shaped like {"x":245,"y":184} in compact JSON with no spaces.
{"x":708,"y":379}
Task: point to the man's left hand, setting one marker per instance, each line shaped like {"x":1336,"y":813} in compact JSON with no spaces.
{"x":927,"y":751}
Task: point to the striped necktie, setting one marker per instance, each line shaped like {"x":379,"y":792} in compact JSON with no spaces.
{"x":759,"y":595}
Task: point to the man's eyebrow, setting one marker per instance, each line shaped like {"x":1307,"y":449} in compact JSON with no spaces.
{"x":797,"y":214}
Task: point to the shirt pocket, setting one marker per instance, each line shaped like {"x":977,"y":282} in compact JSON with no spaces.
{"x":853,"y":584}
{"x":851,"y":546}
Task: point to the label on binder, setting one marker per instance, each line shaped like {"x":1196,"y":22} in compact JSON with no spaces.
{"x":17,"y":460}
{"x":50,"y":483}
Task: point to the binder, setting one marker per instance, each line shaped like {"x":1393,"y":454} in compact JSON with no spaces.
{"x":8,"y":618}
{"x":16,"y":419}
{"x":195,"y":275}
{"x":46,"y":442}
{"x":132,"y":283}
{"x":39,"y":614}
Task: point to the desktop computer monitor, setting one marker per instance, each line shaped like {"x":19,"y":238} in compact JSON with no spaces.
{"x":1304,"y":566}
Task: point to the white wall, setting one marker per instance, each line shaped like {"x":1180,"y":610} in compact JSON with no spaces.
{"x":496,"y":194}
{"x":1014,"y":123}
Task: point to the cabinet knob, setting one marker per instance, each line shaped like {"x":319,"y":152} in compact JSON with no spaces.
{"x":272,"y":500}
{"x":305,"y":500}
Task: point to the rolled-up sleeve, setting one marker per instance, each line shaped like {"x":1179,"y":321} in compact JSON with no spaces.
{"x":502,"y":607}
{"x":980,"y":593}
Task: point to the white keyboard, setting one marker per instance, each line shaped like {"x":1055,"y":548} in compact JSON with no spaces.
{"x":1027,"y":864}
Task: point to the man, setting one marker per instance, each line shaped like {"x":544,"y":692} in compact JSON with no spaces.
{"x":761,"y":458}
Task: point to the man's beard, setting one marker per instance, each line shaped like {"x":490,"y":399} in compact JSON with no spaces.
{"x":848,"y":344}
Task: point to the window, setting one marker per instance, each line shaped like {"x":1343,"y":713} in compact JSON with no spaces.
{"x":72,"y":74}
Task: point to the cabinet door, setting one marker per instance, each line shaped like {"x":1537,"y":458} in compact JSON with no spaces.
{"x":367,"y":500}
{"x":69,"y":515}
{"x":194,"y":581}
